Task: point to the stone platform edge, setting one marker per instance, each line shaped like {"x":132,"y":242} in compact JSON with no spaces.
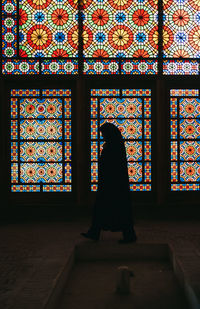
{"x":185,"y":263}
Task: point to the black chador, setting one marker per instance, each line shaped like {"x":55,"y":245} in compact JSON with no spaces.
{"x":112,"y":210}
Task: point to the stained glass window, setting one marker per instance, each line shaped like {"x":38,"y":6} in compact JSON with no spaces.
{"x":100,"y":37}
{"x":130,"y":111}
{"x":41,"y":146}
{"x":120,"y":29}
{"x":181,"y":29}
{"x":39,"y":30}
{"x":185,"y":139}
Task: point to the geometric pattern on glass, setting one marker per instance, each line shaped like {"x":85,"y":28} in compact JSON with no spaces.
{"x":119,"y":37}
{"x":120,"y":29}
{"x":16,"y":66}
{"x":138,"y":67}
{"x":102,"y":66}
{"x":130,"y":111}
{"x":185,"y":139}
{"x":9,"y":33}
{"x":180,"y":67}
{"x":112,"y":66}
{"x":41,"y":150}
{"x":48,"y":28}
{"x":181,"y":29}
{"x":59,"y":66}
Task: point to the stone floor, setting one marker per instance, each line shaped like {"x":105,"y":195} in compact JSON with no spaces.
{"x":32,"y":255}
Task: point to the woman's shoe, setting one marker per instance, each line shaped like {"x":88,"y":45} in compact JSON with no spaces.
{"x":90,"y":236}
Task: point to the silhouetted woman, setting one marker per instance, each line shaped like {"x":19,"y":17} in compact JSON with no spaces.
{"x":112,"y":209}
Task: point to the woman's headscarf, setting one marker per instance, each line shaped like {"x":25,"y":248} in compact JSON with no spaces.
{"x":113,"y":137}
{"x":111,"y":133}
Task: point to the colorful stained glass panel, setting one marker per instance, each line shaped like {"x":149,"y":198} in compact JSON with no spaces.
{"x":147,"y":150}
{"x":135,"y":171}
{"x":189,"y":128}
{"x":189,"y":171}
{"x":100,"y":67}
{"x":56,"y":92}
{"x":14,"y":129}
{"x":25,"y":188}
{"x":116,"y":29}
{"x":133,"y":151}
{"x":40,"y":151}
{"x":41,"y":129}
{"x":19,"y":67}
{"x":14,"y":172}
{"x":173,"y":107}
{"x":68,"y":151}
{"x":39,"y":108}
{"x":40,"y":172}
{"x":121,"y":108}
{"x":14,"y":108}
{"x":68,"y":172}
{"x":185,"y":149}
{"x":147,"y":172}
{"x":147,"y":107}
{"x":105,"y":92}
{"x":183,"y":187}
{"x":94,"y":151}
{"x":57,"y":188}
{"x":173,"y":129}
{"x":174,"y":172}
{"x":59,"y":66}
{"x":181,"y":29}
{"x":94,"y":172}
{"x":131,"y":113}
{"x":136,"y":92}
{"x":147,"y":129}
{"x":9,"y":36}
{"x":190,"y":150}
{"x":14,"y":151}
{"x":68,"y":129}
{"x":139,"y":67}
{"x":48,"y":29}
{"x":189,"y":108}
{"x":25,"y":92}
{"x":184,"y":92}
{"x":94,"y":126}
{"x":68,"y":109}
{"x":180,"y":67}
{"x":9,"y":7}
{"x":174,"y":151}
{"x":139,"y":187}
{"x":94,"y":107}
